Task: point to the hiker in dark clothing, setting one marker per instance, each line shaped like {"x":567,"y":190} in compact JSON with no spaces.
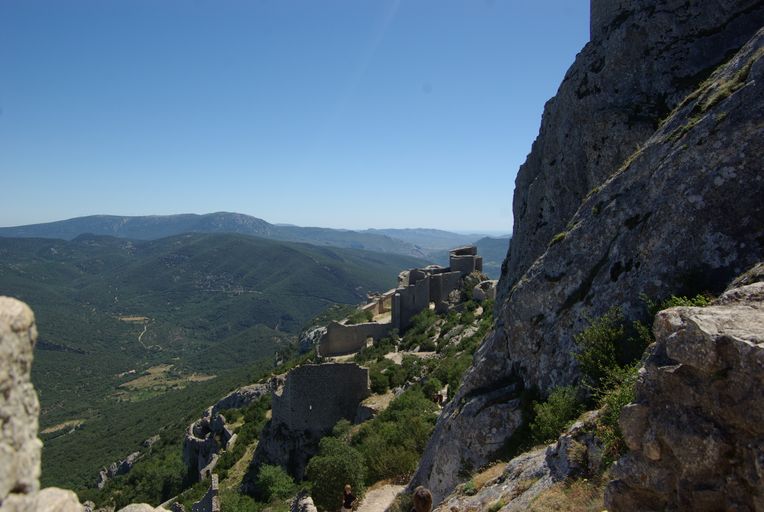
{"x":348,"y":499}
{"x":422,"y":500}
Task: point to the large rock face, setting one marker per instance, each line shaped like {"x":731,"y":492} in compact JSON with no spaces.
{"x":644,"y":57}
{"x":682,"y":215}
{"x":696,"y":431}
{"x":19,"y":408}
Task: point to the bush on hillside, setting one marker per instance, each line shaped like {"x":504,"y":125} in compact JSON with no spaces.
{"x":393,"y":442}
{"x":335,"y":465}
{"x":273,"y":483}
{"x":554,"y":415}
{"x":360,"y":316}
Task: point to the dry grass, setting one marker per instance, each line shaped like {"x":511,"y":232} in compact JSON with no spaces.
{"x":156,"y":380}
{"x":487,"y":475}
{"x":134,"y":319}
{"x":62,"y":426}
{"x":576,"y":496}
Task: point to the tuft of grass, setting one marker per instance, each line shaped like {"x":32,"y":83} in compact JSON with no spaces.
{"x":559,"y":237}
{"x":574,"y":496}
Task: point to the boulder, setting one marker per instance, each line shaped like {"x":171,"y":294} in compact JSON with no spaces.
{"x":696,"y":431}
{"x":19,"y":408}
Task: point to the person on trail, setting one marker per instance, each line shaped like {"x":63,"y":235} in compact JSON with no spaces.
{"x":348,"y":499}
{"x":422,"y":500}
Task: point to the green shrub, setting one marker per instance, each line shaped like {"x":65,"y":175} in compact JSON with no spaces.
{"x":555,"y":414}
{"x":273,"y":483}
{"x":619,"y":390}
{"x":341,"y":430}
{"x":335,"y":465}
{"x":360,"y":316}
{"x":393,"y":442}
{"x":597,"y":347}
{"x":379,"y":381}
{"x":431,"y":387}
{"x":232,"y":501}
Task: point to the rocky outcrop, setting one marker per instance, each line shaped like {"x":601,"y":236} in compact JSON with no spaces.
{"x":644,"y":57}
{"x":121,"y":467}
{"x":302,"y":503}
{"x":310,"y":338}
{"x":247,"y":395}
{"x":696,"y":431}
{"x":19,"y":409}
{"x":577,"y":453}
{"x":682,"y":215}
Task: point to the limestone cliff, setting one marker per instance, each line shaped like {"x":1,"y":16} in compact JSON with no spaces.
{"x":639,"y":206}
{"x":644,"y":57}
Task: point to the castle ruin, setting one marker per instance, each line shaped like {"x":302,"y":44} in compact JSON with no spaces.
{"x":312,"y":400}
{"x":417,"y":289}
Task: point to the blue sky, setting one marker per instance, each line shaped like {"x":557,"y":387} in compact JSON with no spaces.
{"x":351,"y":114}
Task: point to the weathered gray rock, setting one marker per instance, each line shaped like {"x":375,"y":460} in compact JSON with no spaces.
{"x":50,"y":499}
{"x":19,"y":408}
{"x":644,"y":57}
{"x":302,"y":503}
{"x":522,"y":480}
{"x":683,"y":215}
{"x":696,"y":431}
{"x":247,"y":395}
{"x":576,"y":454}
{"x":141,"y":507}
{"x":121,"y":467}
{"x":310,"y":338}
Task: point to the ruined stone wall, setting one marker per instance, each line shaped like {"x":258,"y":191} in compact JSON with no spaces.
{"x":441,"y":285}
{"x":316,"y":396}
{"x":409,"y":301}
{"x":210,"y":502}
{"x":466,"y":264}
{"x":345,"y":339}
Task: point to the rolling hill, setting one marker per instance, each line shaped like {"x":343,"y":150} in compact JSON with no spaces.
{"x":132,"y":322}
{"x":152,"y":227}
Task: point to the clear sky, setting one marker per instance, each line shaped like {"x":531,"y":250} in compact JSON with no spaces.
{"x":351,"y":114}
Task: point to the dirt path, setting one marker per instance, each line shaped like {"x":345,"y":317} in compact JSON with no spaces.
{"x":377,"y":500}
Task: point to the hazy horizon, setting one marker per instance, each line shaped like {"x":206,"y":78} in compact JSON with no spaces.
{"x":474,"y":231}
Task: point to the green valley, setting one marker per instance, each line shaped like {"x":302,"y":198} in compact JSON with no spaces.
{"x":130,"y":329}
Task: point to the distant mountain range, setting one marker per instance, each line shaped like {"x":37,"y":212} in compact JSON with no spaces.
{"x":152,"y":227}
{"x":431,"y":244}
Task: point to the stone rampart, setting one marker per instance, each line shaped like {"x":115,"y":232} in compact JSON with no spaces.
{"x":210,"y":502}
{"x":316,"y":396}
{"x":345,"y":339}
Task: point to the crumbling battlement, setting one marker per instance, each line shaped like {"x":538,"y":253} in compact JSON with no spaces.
{"x":343,"y":339}
{"x":417,"y":288}
{"x":316,"y":396}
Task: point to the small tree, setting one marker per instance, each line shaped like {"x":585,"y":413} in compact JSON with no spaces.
{"x":554,"y":415}
{"x":273,"y":482}
{"x":335,"y":465}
